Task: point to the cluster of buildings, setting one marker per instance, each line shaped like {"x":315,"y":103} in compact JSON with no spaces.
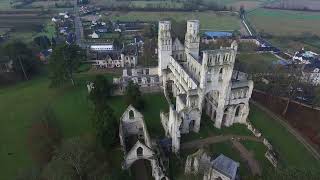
{"x":107,"y":56}
{"x":310,"y":62}
{"x":99,"y":28}
{"x":64,"y":23}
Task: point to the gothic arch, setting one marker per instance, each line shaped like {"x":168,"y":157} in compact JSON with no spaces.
{"x":138,"y":151}
{"x":221,"y":71}
{"x":131,"y":114}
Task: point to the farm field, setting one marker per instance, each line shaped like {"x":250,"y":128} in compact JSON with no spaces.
{"x":296,"y":4}
{"x":209,"y":20}
{"x":24,"y":26}
{"x":285,"y":22}
{"x":291,"y":44}
{"x":236,"y":4}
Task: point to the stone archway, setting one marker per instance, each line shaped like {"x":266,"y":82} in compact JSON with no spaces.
{"x":225,"y":116}
{"x":191,"y":125}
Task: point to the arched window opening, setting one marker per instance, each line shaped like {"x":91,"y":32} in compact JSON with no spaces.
{"x":139,"y":151}
{"x":221,"y":71}
{"x":237,"y":111}
{"x":131,"y":114}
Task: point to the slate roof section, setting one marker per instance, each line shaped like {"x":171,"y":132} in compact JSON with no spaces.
{"x":226,"y":166}
{"x":217,"y":34}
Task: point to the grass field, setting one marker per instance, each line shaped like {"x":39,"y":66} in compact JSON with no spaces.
{"x":208,"y":20}
{"x":292,"y":152}
{"x":256,"y":63}
{"x":291,"y":45}
{"x":20,"y":104}
{"x":284,"y":22}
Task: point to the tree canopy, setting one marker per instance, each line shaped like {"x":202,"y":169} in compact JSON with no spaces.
{"x":133,"y":95}
{"x":23,"y":58}
{"x":64,"y":61}
{"x":102,"y":91}
{"x":106,"y":126}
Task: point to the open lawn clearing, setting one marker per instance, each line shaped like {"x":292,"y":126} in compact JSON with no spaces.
{"x":258,"y":150}
{"x":285,"y":22}
{"x":292,"y":153}
{"x":209,"y":20}
{"x":257,"y":63}
{"x":19,"y":105}
{"x":207,"y":129}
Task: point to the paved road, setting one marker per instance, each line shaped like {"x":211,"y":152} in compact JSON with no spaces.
{"x":294,"y":132}
{"x":78,"y":26}
{"x":216,"y":139}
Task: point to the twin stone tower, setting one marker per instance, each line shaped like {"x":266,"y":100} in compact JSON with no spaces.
{"x":197,"y":82}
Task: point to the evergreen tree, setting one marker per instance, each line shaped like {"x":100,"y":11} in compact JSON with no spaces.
{"x":64,"y":61}
{"x":101,"y":92}
{"x":133,"y":96}
{"x":106,"y":126}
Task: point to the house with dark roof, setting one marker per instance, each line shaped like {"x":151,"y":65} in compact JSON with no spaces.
{"x":126,"y":57}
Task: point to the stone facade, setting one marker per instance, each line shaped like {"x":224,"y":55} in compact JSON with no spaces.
{"x":147,"y":79}
{"x":127,"y":57}
{"x":199,"y":82}
{"x":137,"y":144}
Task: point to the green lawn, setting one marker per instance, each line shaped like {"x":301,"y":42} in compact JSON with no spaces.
{"x":292,"y":152}
{"x":207,"y":129}
{"x":253,"y":62}
{"x":208,"y":20}
{"x":19,"y":105}
{"x":259,"y":149}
